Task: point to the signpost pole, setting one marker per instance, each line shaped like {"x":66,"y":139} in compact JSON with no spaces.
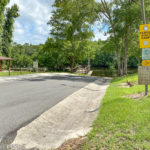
{"x":144,"y":22}
{"x":143,"y":11}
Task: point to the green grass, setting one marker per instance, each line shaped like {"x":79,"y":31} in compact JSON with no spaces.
{"x":122,"y":123}
{"x":26,"y":72}
{"x":14,"y":73}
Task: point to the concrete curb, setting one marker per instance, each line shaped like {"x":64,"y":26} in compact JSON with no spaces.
{"x":70,"y":118}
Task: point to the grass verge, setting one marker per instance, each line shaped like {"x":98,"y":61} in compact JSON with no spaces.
{"x":26,"y":72}
{"x":2,"y":74}
{"x":122,"y":123}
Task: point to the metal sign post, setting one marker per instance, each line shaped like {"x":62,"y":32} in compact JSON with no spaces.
{"x":143,"y":11}
{"x":145,"y":43}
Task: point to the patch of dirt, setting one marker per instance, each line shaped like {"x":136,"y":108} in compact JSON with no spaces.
{"x":73,"y":144}
{"x":136,"y":96}
{"x":124,"y":85}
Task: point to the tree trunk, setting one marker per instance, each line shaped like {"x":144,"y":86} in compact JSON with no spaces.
{"x":119,"y":64}
{"x":108,"y":15}
{"x":73,"y":57}
{"x":72,"y":63}
{"x":117,"y":49}
{"x":126,"y":53}
{"x":89,"y":64}
{"x":122,"y":66}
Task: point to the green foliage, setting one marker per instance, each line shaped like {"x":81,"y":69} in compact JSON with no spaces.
{"x":11,"y":14}
{"x":104,"y":59}
{"x":24,"y":55}
{"x":55,"y":54}
{"x":132,"y":62}
{"x":104,"y":55}
{"x":50,"y":55}
{"x":123,"y":17}
{"x":71,"y":23}
{"x":3,"y":4}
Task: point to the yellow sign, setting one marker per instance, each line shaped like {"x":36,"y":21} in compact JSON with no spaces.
{"x":145,"y":36}
{"x":146,"y":63}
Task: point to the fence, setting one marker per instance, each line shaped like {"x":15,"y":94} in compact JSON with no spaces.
{"x":29,"y":69}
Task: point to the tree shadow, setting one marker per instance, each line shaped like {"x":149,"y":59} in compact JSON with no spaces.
{"x":72,"y":78}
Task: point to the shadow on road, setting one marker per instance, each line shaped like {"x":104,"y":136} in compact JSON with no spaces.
{"x":87,"y":79}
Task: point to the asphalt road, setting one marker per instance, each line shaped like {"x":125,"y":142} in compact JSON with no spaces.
{"x":24,"y":100}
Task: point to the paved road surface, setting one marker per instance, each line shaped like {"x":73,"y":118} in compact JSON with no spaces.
{"x":24,"y":100}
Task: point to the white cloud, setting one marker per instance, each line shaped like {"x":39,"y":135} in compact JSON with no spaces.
{"x":20,"y":31}
{"x":31,"y":26}
{"x":100,"y":35}
{"x":99,"y":30}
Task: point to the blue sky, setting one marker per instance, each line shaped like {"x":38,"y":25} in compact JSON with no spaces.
{"x":31,"y":26}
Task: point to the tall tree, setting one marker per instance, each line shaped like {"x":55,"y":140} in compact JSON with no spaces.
{"x":3,"y":4}
{"x":71,"y":23}
{"x":126,"y":18}
{"x":8,"y":27}
{"x":122,"y":17}
{"x":106,"y":15}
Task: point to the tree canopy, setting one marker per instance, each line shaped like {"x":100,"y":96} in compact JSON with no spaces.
{"x":70,"y":23}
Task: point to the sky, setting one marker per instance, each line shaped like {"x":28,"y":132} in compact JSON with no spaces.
{"x":31,"y":26}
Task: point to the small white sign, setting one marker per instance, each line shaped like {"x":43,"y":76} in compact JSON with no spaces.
{"x":35,"y":65}
{"x":146,"y":54}
{"x":146,"y":28}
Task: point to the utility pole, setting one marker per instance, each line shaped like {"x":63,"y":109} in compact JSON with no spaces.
{"x":144,"y":22}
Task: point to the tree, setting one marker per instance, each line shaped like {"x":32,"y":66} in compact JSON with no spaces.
{"x":106,"y":14}
{"x":8,"y":27}
{"x":105,"y":55}
{"x":122,"y":18}
{"x":52,"y":55}
{"x":3,"y":4}
{"x":126,"y":19}
{"x":71,"y":24}
{"x":24,"y":55}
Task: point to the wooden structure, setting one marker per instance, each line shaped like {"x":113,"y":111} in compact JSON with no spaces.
{"x":5,"y":59}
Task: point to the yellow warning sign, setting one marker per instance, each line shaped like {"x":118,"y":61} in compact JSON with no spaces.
{"x":145,"y":36}
{"x":146,"y":63}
